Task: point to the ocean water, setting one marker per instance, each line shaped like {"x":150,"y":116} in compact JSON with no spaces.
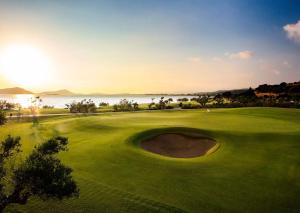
{"x":61,"y":101}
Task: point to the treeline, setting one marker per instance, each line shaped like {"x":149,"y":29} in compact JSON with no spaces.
{"x":248,"y":98}
{"x":281,"y":95}
{"x":279,"y":89}
{"x":5,"y":105}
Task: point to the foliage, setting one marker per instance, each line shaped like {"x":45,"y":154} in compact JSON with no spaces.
{"x":41,"y":174}
{"x":84,"y":106}
{"x":35,"y":105}
{"x":48,"y":107}
{"x":5,"y":105}
{"x":162,"y":104}
{"x":287,"y":88}
{"x":103,"y":104}
{"x":219,"y":100}
{"x":2,"y":117}
{"x":202,"y":100}
{"x":182,"y":99}
{"x":125,"y":105}
{"x":151,"y":106}
{"x":188,"y":106}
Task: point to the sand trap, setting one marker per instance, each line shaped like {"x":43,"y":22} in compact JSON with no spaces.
{"x":178,"y":145}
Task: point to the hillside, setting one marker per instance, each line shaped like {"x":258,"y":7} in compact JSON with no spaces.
{"x":15,"y":90}
{"x":62,"y":92}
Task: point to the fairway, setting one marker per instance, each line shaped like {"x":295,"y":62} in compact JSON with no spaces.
{"x":256,"y":167}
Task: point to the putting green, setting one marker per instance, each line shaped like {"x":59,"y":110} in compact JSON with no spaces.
{"x":255,"y":169}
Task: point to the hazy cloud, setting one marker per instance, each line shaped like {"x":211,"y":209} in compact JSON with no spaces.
{"x":293,"y":31}
{"x":194,"y":59}
{"x":217,"y":59}
{"x":243,"y":55}
{"x":276,"y":72}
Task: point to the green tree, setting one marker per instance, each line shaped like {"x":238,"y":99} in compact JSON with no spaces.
{"x":219,"y":99}
{"x":2,"y":117}
{"x":41,"y":174}
{"x":203,"y":100}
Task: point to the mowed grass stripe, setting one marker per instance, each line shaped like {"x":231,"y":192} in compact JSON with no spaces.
{"x":255,"y":169}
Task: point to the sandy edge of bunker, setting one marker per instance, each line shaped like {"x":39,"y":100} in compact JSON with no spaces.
{"x":178,"y":145}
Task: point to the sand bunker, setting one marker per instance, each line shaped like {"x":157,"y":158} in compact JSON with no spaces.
{"x":178,"y":145}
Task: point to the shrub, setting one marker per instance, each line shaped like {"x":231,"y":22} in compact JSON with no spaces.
{"x":84,"y":106}
{"x":125,"y":105}
{"x":103,"y":104}
{"x":2,"y":117}
{"x":41,"y":174}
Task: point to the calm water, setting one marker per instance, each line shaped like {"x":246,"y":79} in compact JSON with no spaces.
{"x":61,"y":101}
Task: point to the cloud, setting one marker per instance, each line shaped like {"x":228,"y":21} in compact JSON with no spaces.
{"x":217,"y":59}
{"x":276,"y":72}
{"x":293,"y":31}
{"x":286,"y":64}
{"x":243,"y":55}
{"x":194,"y":59}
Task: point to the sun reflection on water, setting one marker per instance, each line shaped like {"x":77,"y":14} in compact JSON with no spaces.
{"x":24,"y":100}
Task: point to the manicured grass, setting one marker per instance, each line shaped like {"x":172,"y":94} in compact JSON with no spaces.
{"x":255,"y":169}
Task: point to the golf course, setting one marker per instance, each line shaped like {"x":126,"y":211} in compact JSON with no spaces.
{"x":252,"y":164}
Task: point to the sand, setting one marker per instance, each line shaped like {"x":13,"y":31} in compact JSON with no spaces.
{"x":178,"y":145}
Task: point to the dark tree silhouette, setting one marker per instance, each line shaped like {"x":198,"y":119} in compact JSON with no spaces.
{"x":2,"y":118}
{"x":219,"y":99}
{"x":203,"y":100}
{"x":41,"y":174}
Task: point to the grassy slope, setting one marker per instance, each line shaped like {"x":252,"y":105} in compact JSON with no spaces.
{"x":256,"y":169}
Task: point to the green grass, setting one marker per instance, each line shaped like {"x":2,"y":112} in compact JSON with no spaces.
{"x":255,"y":169}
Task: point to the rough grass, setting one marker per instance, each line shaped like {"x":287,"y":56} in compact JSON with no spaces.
{"x":256,"y":168}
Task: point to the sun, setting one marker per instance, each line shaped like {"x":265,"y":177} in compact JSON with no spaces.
{"x":24,"y":65}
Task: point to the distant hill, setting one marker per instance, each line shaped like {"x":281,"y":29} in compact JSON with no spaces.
{"x":62,"y":92}
{"x":233,"y":91}
{"x":15,"y":90}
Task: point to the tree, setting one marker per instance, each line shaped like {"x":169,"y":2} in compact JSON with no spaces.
{"x":135,"y":106}
{"x":2,"y":118}
{"x":41,"y":174}
{"x":162,"y":103}
{"x":227,"y":95}
{"x":125,"y":105}
{"x":84,"y":106}
{"x":151,"y":105}
{"x":182,"y":99}
{"x":103,"y":104}
{"x":203,"y":100}
{"x":34,"y":108}
{"x":219,"y":99}
{"x":4,"y":105}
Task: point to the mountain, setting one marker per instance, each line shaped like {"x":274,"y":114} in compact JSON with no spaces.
{"x":14,"y":90}
{"x":62,"y":92}
{"x":233,"y":91}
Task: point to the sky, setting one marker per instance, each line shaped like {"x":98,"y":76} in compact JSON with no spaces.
{"x":138,"y":46}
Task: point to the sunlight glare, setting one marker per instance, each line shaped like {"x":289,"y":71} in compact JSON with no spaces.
{"x":24,"y":100}
{"x":24,"y":65}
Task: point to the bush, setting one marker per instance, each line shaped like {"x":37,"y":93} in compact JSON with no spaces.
{"x":169,"y":107}
{"x":41,"y":174}
{"x":125,"y":105}
{"x":2,"y":117}
{"x":182,"y":99}
{"x":84,"y":106}
{"x":48,"y":107}
{"x":103,"y":104}
{"x":4,"y":105}
{"x":188,"y":106}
